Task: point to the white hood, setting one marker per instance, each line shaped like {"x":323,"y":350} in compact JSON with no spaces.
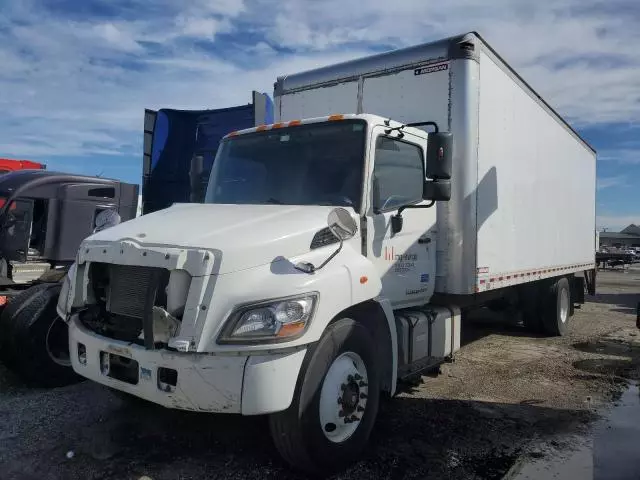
{"x":242,"y":236}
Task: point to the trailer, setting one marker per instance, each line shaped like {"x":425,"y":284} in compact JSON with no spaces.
{"x":337,"y":248}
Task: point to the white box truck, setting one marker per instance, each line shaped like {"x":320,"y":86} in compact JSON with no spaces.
{"x":337,"y":248}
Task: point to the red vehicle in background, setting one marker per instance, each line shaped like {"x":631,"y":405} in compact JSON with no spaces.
{"x":10,"y":165}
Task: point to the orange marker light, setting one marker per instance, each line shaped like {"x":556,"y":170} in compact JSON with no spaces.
{"x":277,"y":125}
{"x":363,"y":280}
{"x":333,"y":118}
{"x":294,"y":123}
{"x":261,"y":128}
{"x":291,"y":329}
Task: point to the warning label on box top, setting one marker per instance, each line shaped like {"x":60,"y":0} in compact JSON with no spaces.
{"x":431,"y":69}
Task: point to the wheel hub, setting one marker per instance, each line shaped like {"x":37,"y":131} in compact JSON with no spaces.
{"x":346,"y":380}
{"x":350,"y":397}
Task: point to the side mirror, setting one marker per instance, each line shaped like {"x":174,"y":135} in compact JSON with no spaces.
{"x":342,"y":224}
{"x":437,"y":191}
{"x":439,"y":156}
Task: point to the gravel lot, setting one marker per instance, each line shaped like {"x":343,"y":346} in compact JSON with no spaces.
{"x":506,"y":394}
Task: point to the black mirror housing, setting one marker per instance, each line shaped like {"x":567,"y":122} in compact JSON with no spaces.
{"x":439,"y":156}
{"x":437,"y":191}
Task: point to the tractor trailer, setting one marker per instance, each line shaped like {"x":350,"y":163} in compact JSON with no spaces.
{"x":338,"y":247}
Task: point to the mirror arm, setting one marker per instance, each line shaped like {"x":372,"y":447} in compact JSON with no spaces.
{"x":308,"y":267}
{"x":428,"y":205}
{"x":332,"y":255}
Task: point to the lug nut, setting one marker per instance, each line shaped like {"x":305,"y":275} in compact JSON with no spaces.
{"x":354,"y":418}
{"x":357,"y":376}
{"x":350,"y":378}
{"x":343,"y":387}
{"x":363,"y":384}
{"x":360,"y":409}
{"x":363,"y":395}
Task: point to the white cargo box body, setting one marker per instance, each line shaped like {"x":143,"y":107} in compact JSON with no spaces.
{"x":523,"y":185}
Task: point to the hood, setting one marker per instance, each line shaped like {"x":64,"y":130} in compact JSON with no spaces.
{"x":243,"y":236}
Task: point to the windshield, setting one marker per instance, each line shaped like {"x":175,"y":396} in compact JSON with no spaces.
{"x":315,"y":164}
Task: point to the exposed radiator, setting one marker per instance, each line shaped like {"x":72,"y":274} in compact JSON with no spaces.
{"x":128,"y":287}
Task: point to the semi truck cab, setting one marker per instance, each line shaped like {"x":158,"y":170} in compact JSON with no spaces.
{"x":221,"y":306}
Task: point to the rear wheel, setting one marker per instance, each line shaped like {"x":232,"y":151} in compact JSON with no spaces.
{"x":557,"y":308}
{"x":335,"y":404}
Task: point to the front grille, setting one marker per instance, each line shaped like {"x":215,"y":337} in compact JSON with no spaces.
{"x":128,"y":289}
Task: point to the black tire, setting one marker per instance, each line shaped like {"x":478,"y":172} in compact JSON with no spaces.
{"x":37,"y":340}
{"x":297,"y":432}
{"x":7,"y":322}
{"x":557,"y":307}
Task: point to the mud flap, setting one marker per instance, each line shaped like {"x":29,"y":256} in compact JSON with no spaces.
{"x":590,"y":281}
{"x":577,"y":290}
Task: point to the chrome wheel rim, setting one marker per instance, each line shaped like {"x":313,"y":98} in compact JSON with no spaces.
{"x":564,"y":305}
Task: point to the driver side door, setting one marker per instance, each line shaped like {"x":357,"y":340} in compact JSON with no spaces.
{"x":405,"y":260}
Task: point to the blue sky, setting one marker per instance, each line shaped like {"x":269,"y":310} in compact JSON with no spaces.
{"x":76,"y":75}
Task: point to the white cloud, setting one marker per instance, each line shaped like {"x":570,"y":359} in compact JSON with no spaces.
{"x":117,"y":37}
{"x":627,"y":156}
{"x":203,"y":27}
{"x":70,"y":87}
{"x":608,"y":182}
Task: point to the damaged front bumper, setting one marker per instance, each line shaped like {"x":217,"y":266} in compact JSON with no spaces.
{"x":223,"y":383}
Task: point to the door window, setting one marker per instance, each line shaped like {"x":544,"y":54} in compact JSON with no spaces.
{"x":398,"y":174}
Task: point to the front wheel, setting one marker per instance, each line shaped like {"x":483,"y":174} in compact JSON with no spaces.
{"x":335,"y":403}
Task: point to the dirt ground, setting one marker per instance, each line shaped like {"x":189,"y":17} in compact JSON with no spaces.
{"x":506,"y":394}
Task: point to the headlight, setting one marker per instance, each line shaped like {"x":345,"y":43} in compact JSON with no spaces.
{"x":270,"y":321}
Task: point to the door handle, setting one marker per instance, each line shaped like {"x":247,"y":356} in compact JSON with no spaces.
{"x":424,"y":240}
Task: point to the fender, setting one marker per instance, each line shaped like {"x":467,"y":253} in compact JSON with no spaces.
{"x":348,"y":280}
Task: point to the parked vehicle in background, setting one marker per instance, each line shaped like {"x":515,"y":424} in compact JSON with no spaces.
{"x":12,"y":165}
{"x":180,"y":145}
{"x":335,"y":252}
{"x":44,"y":216}
{"x":57,"y":211}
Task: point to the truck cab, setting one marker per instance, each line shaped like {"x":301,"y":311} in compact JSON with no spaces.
{"x":309,"y":230}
